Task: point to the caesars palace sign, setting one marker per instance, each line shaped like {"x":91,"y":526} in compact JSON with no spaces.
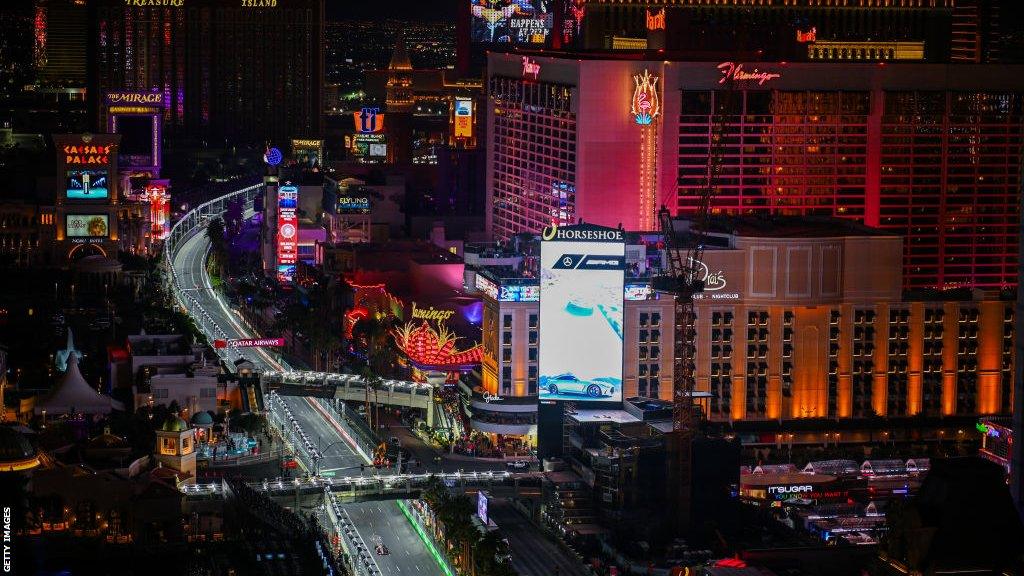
{"x":87,"y":154}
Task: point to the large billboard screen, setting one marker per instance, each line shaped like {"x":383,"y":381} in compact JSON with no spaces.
{"x":87,"y":185}
{"x":287,"y":225}
{"x":511,"y":21}
{"x":581,"y":290}
{"x":87,"y":226}
{"x":463,"y":118}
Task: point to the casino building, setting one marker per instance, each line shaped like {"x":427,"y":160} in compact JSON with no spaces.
{"x":209,"y":59}
{"x":802,"y":318}
{"x":926,"y":151}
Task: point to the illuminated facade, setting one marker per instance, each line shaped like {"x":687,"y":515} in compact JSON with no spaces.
{"x":208,"y":58}
{"x":805,"y":318}
{"x":795,"y":30}
{"x":87,"y":208}
{"x":922,"y":151}
{"x":801,"y":318}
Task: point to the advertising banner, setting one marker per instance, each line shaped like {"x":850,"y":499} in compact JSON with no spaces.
{"x":248,"y":342}
{"x":287,"y":226}
{"x":87,"y":185}
{"x":463,"y":118}
{"x":581,"y":293}
{"x":510,"y":21}
{"x":87,"y":226}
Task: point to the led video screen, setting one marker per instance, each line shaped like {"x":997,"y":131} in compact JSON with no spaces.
{"x":87,"y":185}
{"x":87,"y":226}
{"x":511,"y":21}
{"x":581,"y":292}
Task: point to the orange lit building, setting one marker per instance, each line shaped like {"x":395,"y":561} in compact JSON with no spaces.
{"x":802,"y":318}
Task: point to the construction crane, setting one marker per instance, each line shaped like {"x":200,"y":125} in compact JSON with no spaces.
{"x":685,"y":282}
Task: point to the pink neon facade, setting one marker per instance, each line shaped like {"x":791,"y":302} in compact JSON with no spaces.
{"x":931,"y":152}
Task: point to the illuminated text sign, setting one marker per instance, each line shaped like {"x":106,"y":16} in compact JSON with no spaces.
{"x":152,"y":98}
{"x":656,"y":20}
{"x":713,"y":281}
{"x":87,"y":154}
{"x":531,"y":69}
{"x":431,"y":313}
{"x":306,"y":144}
{"x":735,"y":72}
{"x":486,"y":286}
{"x":369,"y":120}
{"x":248,"y":342}
{"x":578,"y":233}
{"x":790,"y":489}
{"x":155,"y":3}
{"x":809,"y":36}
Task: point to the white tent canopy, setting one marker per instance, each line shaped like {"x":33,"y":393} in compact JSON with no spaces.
{"x":73,"y":395}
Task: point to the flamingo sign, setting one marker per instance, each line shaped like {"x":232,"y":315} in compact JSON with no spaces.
{"x":646,"y":105}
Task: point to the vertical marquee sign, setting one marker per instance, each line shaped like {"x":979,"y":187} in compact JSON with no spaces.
{"x":646,"y":109}
{"x":287,"y":231}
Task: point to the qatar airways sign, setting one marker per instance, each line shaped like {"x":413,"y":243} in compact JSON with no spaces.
{"x":248,"y":342}
{"x":731,"y":71}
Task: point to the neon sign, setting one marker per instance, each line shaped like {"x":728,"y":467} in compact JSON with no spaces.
{"x":431,"y":313}
{"x":713,"y":281}
{"x":530,"y":68}
{"x":809,"y":36}
{"x":135,"y":98}
{"x":656,"y":21}
{"x":155,"y":3}
{"x":87,"y":154}
{"x":369,"y":120}
{"x":735,"y":72}
{"x":272,"y":156}
{"x":646,"y":105}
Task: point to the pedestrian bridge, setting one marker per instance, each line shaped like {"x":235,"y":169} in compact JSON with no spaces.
{"x":351,"y":387}
{"x":374,"y":487}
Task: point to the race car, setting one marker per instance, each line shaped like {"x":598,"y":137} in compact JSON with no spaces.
{"x":568,"y":383}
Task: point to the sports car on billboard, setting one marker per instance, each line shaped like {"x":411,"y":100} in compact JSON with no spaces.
{"x":569,"y":383}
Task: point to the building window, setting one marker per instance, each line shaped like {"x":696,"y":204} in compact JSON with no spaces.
{"x":506,"y":321}
{"x":506,"y":380}
{"x":506,"y":354}
{"x":533,"y":336}
{"x":506,"y":338}
{"x":533,"y":320}
{"x":532,"y":354}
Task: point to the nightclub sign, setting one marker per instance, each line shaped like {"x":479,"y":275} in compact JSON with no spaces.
{"x":88,"y":154}
{"x":735,"y":72}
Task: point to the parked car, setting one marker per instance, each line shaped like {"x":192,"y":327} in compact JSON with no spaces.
{"x":569,"y":383}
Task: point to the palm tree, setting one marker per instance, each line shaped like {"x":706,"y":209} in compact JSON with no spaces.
{"x":218,"y":246}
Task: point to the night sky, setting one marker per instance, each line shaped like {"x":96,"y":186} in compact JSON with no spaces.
{"x":423,"y":10}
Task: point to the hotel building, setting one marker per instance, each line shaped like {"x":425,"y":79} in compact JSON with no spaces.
{"x":242,"y":72}
{"x":929,"y":152}
{"x":802,"y":318}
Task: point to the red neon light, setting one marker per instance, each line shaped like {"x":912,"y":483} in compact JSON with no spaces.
{"x":425,"y":346}
{"x":656,"y":20}
{"x":735,"y":72}
{"x":809,"y":36}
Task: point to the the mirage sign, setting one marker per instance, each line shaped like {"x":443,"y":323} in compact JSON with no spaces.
{"x":581,"y":288}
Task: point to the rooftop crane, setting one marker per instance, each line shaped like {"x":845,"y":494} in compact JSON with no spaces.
{"x":685,"y":283}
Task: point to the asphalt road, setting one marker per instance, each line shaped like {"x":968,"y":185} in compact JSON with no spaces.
{"x":533,"y":554}
{"x":409,"y":555}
